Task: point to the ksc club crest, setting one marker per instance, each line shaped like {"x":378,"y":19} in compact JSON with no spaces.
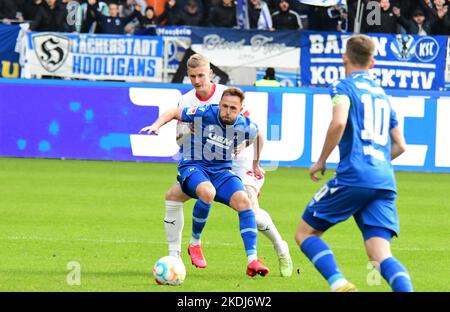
{"x":51,"y":50}
{"x":403,"y":47}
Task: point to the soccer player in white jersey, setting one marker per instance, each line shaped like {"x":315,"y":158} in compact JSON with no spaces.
{"x":205,"y":93}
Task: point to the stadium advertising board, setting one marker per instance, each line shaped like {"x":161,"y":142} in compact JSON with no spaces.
{"x":107,"y":57}
{"x":402,"y":61}
{"x":9,"y":59}
{"x":247,"y":48}
{"x":61,"y":119}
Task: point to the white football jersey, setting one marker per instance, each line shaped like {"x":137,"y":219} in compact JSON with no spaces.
{"x":191,"y":98}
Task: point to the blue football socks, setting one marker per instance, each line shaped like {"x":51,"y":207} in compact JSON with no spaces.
{"x":323,"y":259}
{"x":199,"y":217}
{"x":396,"y":275}
{"x":247,"y":226}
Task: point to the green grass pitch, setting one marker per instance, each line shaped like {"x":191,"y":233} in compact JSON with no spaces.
{"x":108,"y":216}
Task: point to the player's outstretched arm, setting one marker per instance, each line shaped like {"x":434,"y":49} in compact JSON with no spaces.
{"x":334,"y":135}
{"x":398,"y":145}
{"x":169,"y":115}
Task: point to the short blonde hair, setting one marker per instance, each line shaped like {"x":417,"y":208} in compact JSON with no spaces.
{"x":197,"y":60}
{"x":360,"y":50}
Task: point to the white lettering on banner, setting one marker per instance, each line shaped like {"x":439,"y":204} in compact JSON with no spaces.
{"x":415,"y":154}
{"x":442,"y":157}
{"x":97,"y":45}
{"x":319,"y":44}
{"x":163,"y":145}
{"x":327,"y":74}
{"x":322,"y":114}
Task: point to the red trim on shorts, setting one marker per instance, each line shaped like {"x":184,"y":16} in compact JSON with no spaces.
{"x":209,"y":96}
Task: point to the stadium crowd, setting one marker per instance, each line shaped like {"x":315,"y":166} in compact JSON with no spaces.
{"x":423,"y":17}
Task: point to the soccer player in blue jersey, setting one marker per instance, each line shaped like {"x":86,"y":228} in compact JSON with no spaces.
{"x":204,"y":171}
{"x":365,"y":128}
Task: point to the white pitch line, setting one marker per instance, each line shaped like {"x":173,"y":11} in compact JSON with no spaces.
{"x":150,"y":242}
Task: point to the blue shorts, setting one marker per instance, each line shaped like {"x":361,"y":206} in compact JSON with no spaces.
{"x":373,"y":209}
{"x":224,"y":181}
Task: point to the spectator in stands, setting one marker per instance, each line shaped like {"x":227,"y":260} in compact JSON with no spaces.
{"x":148,"y":19}
{"x":112,"y":24}
{"x":331,"y":18}
{"x":259,"y":15}
{"x":286,"y":19}
{"x":268,"y":80}
{"x":30,"y":9}
{"x":190,"y":15}
{"x":85,"y":21}
{"x":388,"y":24}
{"x":223,"y":14}
{"x":9,"y":10}
{"x":147,"y":23}
{"x":157,"y":5}
{"x":51,"y":17}
{"x":418,"y":25}
{"x":168,"y":17}
{"x":127,"y":9}
{"x":442,"y":25}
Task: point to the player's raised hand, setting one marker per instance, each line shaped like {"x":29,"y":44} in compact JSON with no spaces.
{"x":150,"y":129}
{"x":318,"y":166}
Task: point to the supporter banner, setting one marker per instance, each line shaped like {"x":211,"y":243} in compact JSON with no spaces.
{"x":247,"y":48}
{"x":9,"y":59}
{"x":107,"y":57}
{"x":402,"y":61}
{"x":64,"y":119}
{"x":177,"y":39}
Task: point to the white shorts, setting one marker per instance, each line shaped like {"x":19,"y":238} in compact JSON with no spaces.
{"x":249,"y":179}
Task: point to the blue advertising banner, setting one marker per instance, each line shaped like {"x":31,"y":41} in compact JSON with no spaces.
{"x":108,"y":57}
{"x":76,"y":119}
{"x":9,"y":59}
{"x":247,"y":48}
{"x":402,"y":61}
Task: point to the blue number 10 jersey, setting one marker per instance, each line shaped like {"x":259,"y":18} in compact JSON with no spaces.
{"x":365,"y":148}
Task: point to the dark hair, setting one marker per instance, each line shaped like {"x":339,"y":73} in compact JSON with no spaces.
{"x":270,"y":73}
{"x":234,"y":92}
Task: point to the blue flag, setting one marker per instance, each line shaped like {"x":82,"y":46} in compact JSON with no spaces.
{"x":242,"y":14}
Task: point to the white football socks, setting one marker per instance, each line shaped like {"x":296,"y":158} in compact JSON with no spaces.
{"x":265,"y":225}
{"x":174,"y":223}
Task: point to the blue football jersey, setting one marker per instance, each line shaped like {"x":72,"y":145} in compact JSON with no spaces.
{"x":213,"y":143}
{"x":365,"y":148}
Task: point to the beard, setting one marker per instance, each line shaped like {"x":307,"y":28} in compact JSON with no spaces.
{"x":227,"y":121}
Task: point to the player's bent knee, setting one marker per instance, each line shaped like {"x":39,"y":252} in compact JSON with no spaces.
{"x":240,"y":201}
{"x":176,"y":195}
{"x":206,"y":193}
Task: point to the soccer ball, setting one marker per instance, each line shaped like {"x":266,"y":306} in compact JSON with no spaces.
{"x":169,"y":270}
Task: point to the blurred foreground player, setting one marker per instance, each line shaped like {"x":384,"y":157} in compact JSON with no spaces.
{"x":365,"y":127}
